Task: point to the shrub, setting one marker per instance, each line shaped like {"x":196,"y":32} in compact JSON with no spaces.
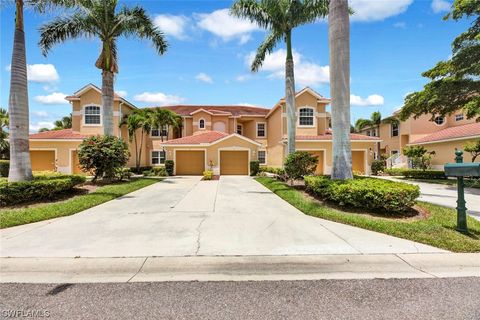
{"x":103,"y":156}
{"x":424,"y":174}
{"x":156,"y":171}
{"x":207,"y":175}
{"x":169,"y":166}
{"x":300,"y":164}
{"x":123,"y":173}
{"x":278,"y":171}
{"x":140,"y":170}
{"x":366,"y":193}
{"x":4,"y":168}
{"x":43,"y":187}
{"x":394,"y":171}
{"x":378,"y":166}
{"x":420,"y":157}
{"x":254,"y":167}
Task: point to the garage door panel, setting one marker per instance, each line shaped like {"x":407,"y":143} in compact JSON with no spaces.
{"x":189,"y":162}
{"x":42,"y":160}
{"x":234,"y":162}
{"x":320,"y":156}
{"x":358,"y":161}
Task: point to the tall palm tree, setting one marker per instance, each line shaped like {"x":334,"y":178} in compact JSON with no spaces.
{"x":100,"y":18}
{"x":164,"y":118}
{"x":64,"y":123}
{"x":374,"y":121}
{"x":4,"y":145}
{"x":140,"y":120}
{"x":339,"y":44}
{"x":280,"y":17}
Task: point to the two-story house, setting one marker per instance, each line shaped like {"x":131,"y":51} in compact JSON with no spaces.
{"x":222,"y":138}
{"x":443,"y":135}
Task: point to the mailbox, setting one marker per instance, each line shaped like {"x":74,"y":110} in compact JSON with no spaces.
{"x":462,"y":169}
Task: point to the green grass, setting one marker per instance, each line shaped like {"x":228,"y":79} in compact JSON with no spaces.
{"x":437,"y":230}
{"x":15,"y":217}
{"x":448,"y":182}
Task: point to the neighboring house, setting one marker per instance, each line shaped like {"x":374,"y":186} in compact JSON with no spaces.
{"x":441,"y":134}
{"x":223,"y":138}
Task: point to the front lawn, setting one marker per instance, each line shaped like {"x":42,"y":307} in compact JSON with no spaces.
{"x":14,"y":217}
{"x":448,"y":182}
{"x":437,"y":230}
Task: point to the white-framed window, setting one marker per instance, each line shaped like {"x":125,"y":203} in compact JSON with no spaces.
{"x":92,"y":115}
{"x":459,"y":117}
{"x":439,"y":120}
{"x":201,"y":124}
{"x":261,"y":129}
{"x":262,"y":156}
{"x":394,"y":129}
{"x":306,"y":117}
{"x":393,"y":152}
{"x":158,"y":157}
{"x":240,"y":129}
{"x":156,"y":132}
{"x":369,"y":133}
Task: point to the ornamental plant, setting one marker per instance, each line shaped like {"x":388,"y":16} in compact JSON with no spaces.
{"x":300,"y":164}
{"x":103,"y":156}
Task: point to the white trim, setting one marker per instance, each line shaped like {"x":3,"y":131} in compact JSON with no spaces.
{"x":233,"y":148}
{"x":391,"y":130}
{"x":84,"y":114}
{"x":444,"y":140}
{"x":443,"y":123}
{"x":266,"y":157}
{"x":313,"y":116}
{"x":351,"y":140}
{"x":459,"y":115}
{"x":48,"y":149}
{"x":94,"y":87}
{"x":226,"y":113}
{"x":238,"y":136}
{"x":236,"y":128}
{"x":187,"y":149}
{"x":158,"y":164}
{"x":204,"y":124}
{"x":256,"y":130}
{"x":324,"y":157}
{"x":160,"y":131}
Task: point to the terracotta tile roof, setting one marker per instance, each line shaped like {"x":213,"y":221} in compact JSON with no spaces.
{"x":58,"y":134}
{"x":467,"y":130}
{"x":200,"y":138}
{"x":328,"y":136}
{"x":186,"y":110}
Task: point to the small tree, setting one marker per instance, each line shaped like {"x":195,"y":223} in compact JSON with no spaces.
{"x":421,"y":158}
{"x":473,"y":148}
{"x":103,"y":156}
{"x":300,"y":164}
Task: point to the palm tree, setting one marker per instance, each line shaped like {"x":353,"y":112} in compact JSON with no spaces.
{"x":64,"y":123}
{"x":164,"y":118}
{"x":99,"y":18}
{"x":280,"y":17}
{"x":138,"y":120}
{"x":374,"y":121}
{"x":339,"y":44}
{"x":4,"y":145}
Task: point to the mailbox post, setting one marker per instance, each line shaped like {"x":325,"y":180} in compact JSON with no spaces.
{"x":461,"y":170}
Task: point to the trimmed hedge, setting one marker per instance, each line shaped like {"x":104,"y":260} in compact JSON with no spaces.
{"x":394,"y":171}
{"x":365,"y":193}
{"x":277,"y":171}
{"x":42,"y":187}
{"x":169,"y":166}
{"x":4,"y":168}
{"x":424,"y":174}
{"x":156,"y":171}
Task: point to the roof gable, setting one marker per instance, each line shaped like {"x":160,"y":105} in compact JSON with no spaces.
{"x":91,"y":86}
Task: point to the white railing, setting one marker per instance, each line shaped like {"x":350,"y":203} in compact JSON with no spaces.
{"x":397,"y":160}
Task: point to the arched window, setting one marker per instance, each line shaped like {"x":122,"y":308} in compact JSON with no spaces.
{"x":201,"y":124}
{"x":439,"y":120}
{"x":306,"y":117}
{"x":92,"y":115}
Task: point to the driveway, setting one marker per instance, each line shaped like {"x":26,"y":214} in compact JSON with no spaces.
{"x":183,"y":216}
{"x":445,"y":195}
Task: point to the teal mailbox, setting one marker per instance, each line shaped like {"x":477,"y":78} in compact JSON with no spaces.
{"x":461,"y":170}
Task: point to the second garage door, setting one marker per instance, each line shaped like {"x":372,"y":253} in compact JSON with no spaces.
{"x":358,"y":162}
{"x":42,"y":160}
{"x":234,"y":162}
{"x":189,"y":162}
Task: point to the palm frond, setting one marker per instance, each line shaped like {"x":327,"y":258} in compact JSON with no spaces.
{"x":265,"y":48}
{"x":308,"y":11}
{"x":253,"y":11}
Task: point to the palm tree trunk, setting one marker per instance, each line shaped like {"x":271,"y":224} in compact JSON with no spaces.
{"x":339,"y":43}
{"x":141,"y":147}
{"x":20,"y":165}
{"x":107,"y":102}
{"x":290,"y":95}
{"x":137,"y":163}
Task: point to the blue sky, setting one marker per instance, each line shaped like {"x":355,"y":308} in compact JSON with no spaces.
{"x":392,"y":43}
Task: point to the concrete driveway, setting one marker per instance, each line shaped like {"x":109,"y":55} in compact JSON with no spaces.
{"x":183,"y":216}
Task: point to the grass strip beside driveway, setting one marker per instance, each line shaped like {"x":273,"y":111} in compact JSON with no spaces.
{"x":437,"y":230}
{"x":15,"y":217}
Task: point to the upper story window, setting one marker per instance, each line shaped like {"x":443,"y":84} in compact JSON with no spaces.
{"x":369,"y":133}
{"x":201,"y":124}
{"x":439,"y":120}
{"x":306,"y":117}
{"x":261,"y":130}
{"x":395,"y":129}
{"x":158,"y":157}
{"x":459,"y":117}
{"x":262,"y":156}
{"x":240,"y":129}
{"x":157,"y":132}
{"x":92,"y":115}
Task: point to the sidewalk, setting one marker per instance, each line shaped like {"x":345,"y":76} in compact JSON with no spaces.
{"x":247,"y":268}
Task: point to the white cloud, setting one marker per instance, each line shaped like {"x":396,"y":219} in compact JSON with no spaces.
{"x":371,"y":100}
{"x":34,"y":127}
{"x":159,"y":98}
{"x":171,"y":25}
{"x":306,"y":73}
{"x":53,"y":98}
{"x":225,"y":26}
{"x":376,"y":10}
{"x":121,"y":93}
{"x":440,"y":6}
{"x":400,"y":25}
{"x":204,"y":77}
{"x":40,"y":114}
{"x":242,"y":77}
{"x":41,"y":73}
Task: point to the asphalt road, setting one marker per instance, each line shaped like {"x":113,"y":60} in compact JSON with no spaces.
{"x":452,"y":299}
